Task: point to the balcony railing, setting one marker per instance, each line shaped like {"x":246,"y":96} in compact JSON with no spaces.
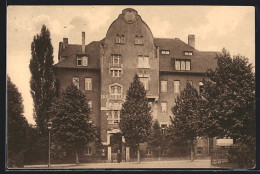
{"x":115,"y":65}
{"x":116,"y":96}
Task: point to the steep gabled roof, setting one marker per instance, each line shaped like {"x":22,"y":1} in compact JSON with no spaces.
{"x":200,"y":61}
{"x":70,"y":52}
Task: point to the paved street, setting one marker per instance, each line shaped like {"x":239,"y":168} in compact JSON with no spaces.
{"x":153,"y":164}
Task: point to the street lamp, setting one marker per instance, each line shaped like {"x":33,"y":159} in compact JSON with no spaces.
{"x":49,"y":151}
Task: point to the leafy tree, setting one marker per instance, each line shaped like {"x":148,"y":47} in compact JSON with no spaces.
{"x":71,"y":125}
{"x":230,"y":100}
{"x":187,"y":121}
{"x":156,"y":138}
{"x":42,"y":80}
{"x":16,"y":126}
{"x":136,"y":120}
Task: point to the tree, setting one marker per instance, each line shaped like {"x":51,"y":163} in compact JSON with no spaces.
{"x":187,"y":119}
{"x":71,"y":125}
{"x":16,"y":126}
{"x":156,"y":138}
{"x":230,"y":100}
{"x":42,"y":80}
{"x":136,"y":120}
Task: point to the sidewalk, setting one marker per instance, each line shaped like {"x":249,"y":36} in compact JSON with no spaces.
{"x":150,"y":164}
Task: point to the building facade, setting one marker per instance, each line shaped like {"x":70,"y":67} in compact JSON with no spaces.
{"x":104,"y":69}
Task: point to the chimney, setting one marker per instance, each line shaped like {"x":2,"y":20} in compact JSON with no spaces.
{"x":65,"y":42}
{"x":83,"y":42}
{"x":191,"y":40}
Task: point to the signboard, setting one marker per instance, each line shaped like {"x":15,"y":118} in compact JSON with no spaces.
{"x":224,"y":142}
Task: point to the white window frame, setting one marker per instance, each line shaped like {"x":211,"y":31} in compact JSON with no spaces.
{"x":143,"y":61}
{"x":164,"y":107}
{"x":88,"y":150}
{"x":79,"y":59}
{"x":183,"y":64}
{"x":75,"y":81}
{"x":117,"y":95}
{"x":90,"y":104}
{"x":178,"y":65}
{"x":88,"y":83}
{"x":120,"y":39}
{"x":119,"y":72}
{"x":164,"y":85}
{"x":139,"y":40}
{"x":177,"y":86}
{"x":165,"y":52}
{"x":149,"y":152}
{"x":145,"y":82}
{"x":84,"y":61}
{"x":111,"y":116}
{"x":201,"y":87}
{"x":188,"y":53}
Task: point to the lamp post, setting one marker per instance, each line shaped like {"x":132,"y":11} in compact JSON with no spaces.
{"x":49,"y":151}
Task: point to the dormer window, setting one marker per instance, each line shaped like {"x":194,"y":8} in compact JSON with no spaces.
{"x":82,"y":61}
{"x":165,"y":52}
{"x":182,"y":64}
{"x":120,"y":39}
{"x":188,"y":53}
{"x":139,"y":40}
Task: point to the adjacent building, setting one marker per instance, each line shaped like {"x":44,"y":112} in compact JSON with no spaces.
{"x":104,"y":69}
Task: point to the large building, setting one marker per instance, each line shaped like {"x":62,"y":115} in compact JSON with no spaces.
{"x":104,"y":69}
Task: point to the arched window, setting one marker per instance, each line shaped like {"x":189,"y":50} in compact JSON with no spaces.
{"x":115,"y":92}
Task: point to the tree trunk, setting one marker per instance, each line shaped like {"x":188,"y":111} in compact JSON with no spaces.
{"x":77,"y":157}
{"x":191,"y":151}
{"x":138,"y":154}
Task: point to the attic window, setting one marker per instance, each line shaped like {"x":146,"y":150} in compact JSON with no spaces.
{"x":120,"y":39}
{"x":139,"y":40}
{"x":165,"y":52}
{"x":82,"y":61}
{"x":188,"y":53}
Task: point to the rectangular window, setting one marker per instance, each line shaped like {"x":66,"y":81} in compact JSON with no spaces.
{"x":188,"y":53}
{"x":187,"y":65}
{"x":115,"y":92}
{"x":82,"y":61}
{"x":75,"y":81}
{"x":149,"y":152}
{"x":176,"y":86}
{"x":116,"y":73}
{"x":79,"y":61}
{"x":163,"y":126}
{"x":88,"y":150}
{"x":177,"y":65}
{"x":139,"y":40}
{"x":182,"y":64}
{"x":90,"y":104}
{"x":120,"y":39}
{"x":163,"y":152}
{"x":165,"y":52}
{"x":163,"y":86}
{"x":145,"y":82}
{"x":88,"y":83}
{"x":164,"y":107}
{"x":143,"y":61}
{"x":113,"y":116}
{"x":201,"y":87}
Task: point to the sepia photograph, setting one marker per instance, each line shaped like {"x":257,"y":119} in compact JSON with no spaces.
{"x":130,"y":87}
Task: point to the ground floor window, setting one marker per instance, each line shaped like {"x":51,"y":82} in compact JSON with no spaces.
{"x":199,"y":151}
{"x":88,"y":150}
{"x":163,"y":152}
{"x":149,"y":152}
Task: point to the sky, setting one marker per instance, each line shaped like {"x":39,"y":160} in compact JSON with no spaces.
{"x":214,"y":27}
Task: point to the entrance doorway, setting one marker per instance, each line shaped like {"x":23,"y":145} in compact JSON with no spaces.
{"x":116,"y":147}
